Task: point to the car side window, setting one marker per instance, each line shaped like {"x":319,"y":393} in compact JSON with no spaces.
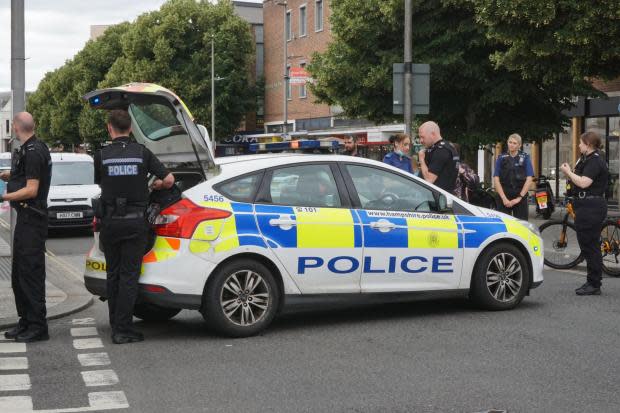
{"x":240,"y":189}
{"x":384,"y":190}
{"x":304,"y":185}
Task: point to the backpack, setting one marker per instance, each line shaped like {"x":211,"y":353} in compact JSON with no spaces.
{"x":466,"y":182}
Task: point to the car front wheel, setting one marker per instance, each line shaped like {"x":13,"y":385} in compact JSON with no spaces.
{"x":501,"y":278}
{"x":241,"y":298}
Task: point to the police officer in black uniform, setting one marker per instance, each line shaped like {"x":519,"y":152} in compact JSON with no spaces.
{"x":513,"y":177}
{"x":589,"y":182}
{"x":439,"y":161}
{"x":121,"y":170}
{"x":27,"y":189}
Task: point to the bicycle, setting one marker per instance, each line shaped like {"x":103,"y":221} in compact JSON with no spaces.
{"x":561,"y":249}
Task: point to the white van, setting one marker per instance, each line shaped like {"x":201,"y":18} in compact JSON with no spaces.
{"x":71,"y":190}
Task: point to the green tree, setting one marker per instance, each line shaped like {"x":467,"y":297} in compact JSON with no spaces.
{"x":57,"y":104}
{"x":472,"y":100}
{"x":172,"y":47}
{"x":554,"y":41}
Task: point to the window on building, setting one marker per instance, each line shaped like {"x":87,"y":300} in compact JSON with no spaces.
{"x":289,"y":31}
{"x":260,"y":59}
{"x":318,"y":15}
{"x":288,"y":83}
{"x":302,"y":21}
{"x":302,"y":88}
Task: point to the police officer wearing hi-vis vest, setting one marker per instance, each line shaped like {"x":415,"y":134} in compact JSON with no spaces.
{"x":121,"y":170}
{"x":27,"y":189}
{"x":512,"y":178}
{"x":589,"y":182}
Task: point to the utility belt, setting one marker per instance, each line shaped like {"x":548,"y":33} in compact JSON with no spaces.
{"x":587,"y":195}
{"x":119,"y":208}
{"x":37,"y":206}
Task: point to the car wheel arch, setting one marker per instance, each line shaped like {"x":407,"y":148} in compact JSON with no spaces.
{"x":271,"y":266}
{"x":514,"y":242}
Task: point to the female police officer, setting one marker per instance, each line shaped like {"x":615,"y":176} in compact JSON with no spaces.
{"x":512,"y":177}
{"x":589,"y":183}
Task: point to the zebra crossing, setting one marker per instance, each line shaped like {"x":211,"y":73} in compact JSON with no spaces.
{"x":99,"y":379}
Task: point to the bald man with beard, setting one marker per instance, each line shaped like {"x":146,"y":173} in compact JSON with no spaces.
{"x":27,"y":189}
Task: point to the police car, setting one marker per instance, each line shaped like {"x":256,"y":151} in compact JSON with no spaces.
{"x":254,"y":235}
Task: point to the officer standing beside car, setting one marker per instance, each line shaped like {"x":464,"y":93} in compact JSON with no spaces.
{"x":121,"y":170}
{"x":513,"y":177}
{"x":27,"y":189}
{"x":439,"y":159}
{"x":589,"y":182}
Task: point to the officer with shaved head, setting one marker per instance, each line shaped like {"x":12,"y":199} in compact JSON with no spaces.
{"x":27,"y":189}
{"x":438,"y":160}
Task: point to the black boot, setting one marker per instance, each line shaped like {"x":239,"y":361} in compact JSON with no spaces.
{"x":14,"y":332}
{"x":589,"y":289}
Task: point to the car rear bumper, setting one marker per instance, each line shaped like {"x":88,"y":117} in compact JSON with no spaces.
{"x":163,"y":298}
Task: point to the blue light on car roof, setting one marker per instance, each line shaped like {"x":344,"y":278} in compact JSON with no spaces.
{"x":96,"y":100}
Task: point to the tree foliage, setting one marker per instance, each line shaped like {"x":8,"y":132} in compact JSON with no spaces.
{"x":473,"y":100}
{"x":170,"y":47}
{"x":554,"y":41}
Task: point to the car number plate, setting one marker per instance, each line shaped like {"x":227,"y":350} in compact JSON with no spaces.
{"x":69,"y":215}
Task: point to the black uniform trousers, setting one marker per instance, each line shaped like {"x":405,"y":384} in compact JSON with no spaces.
{"x":28,"y":268}
{"x":590,"y":213}
{"x":124,"y":243}
{"x":519,"y":211}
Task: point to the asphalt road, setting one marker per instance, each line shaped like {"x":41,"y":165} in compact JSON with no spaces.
{"x":555,"y":353}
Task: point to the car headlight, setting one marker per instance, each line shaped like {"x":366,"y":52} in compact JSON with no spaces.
{"x":531,"y":227}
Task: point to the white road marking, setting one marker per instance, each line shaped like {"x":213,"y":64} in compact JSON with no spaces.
{"x":86,"y":343}
{"x":16,"y":404}
{"x":84,"y":331}
{"x":107,"y":400}
{"x":94,"y":359}
{"x":14,"y":382}
{"x":12,"y":347}
{"x":13,"y":363}
{"x":99,"y":378}
{"x":87,"y":320}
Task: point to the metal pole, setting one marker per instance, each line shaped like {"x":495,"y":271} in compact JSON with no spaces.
{"x":212,"y":90}
{"x":408,"y":110}
{"x":285,"y":88}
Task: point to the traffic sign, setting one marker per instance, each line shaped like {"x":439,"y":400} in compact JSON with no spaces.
{"x":420,"y":98}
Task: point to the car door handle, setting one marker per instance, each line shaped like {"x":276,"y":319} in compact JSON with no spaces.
{"x":284,"y":223}
{"x":383,"y":226}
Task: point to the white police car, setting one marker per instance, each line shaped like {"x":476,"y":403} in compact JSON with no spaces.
{"x":268,"y":232}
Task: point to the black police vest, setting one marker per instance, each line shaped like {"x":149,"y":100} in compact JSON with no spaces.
{"x":18,"y":179}
{"x":124,"y":173}
{"x":447,"y":179}
{"x":512,"y":175}
{"x":599,"y":185}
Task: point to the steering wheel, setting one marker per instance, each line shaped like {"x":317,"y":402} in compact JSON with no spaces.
{"x":388,"y":198}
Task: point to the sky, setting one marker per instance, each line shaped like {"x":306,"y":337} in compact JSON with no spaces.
{"x":57,"y":29}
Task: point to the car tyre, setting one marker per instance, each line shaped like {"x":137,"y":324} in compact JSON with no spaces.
{"x":501,"y":278}
{"x":153,"y":312}
{"x":241,"y":298}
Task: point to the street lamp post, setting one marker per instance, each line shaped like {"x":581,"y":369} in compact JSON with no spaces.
{"x":284,"y":4}
{"x":212,"y":89}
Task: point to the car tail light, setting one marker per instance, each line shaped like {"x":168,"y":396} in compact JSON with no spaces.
{"x":157,"y":289}
{"x":180,"y":220}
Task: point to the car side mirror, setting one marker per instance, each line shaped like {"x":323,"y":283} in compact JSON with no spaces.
{"x":445,"y":204}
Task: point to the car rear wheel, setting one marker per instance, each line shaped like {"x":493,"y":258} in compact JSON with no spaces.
{"x":152,"y":312}
{"x":241,"y":298}
{"x":501,"y":278}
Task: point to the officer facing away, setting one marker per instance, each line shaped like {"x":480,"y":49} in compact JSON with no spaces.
{"x":121,"y":170}
{"x":27,"y":189}
{"x":438,"y":161}
{"x":512,"y":178}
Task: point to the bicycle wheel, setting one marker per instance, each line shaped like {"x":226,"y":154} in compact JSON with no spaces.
{"x":560,"y":244}
{"x":610,"y":248}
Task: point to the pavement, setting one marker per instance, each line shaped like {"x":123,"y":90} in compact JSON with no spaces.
{"x":64,"y":287}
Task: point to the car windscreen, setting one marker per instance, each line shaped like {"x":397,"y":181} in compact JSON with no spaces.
{"x":72,"y":173}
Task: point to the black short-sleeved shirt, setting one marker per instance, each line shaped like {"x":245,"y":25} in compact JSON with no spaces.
{"x":440,"y":161}
{"x":594,"y":167}
{"x":31,"y":161}
{"x":121,"y":170}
